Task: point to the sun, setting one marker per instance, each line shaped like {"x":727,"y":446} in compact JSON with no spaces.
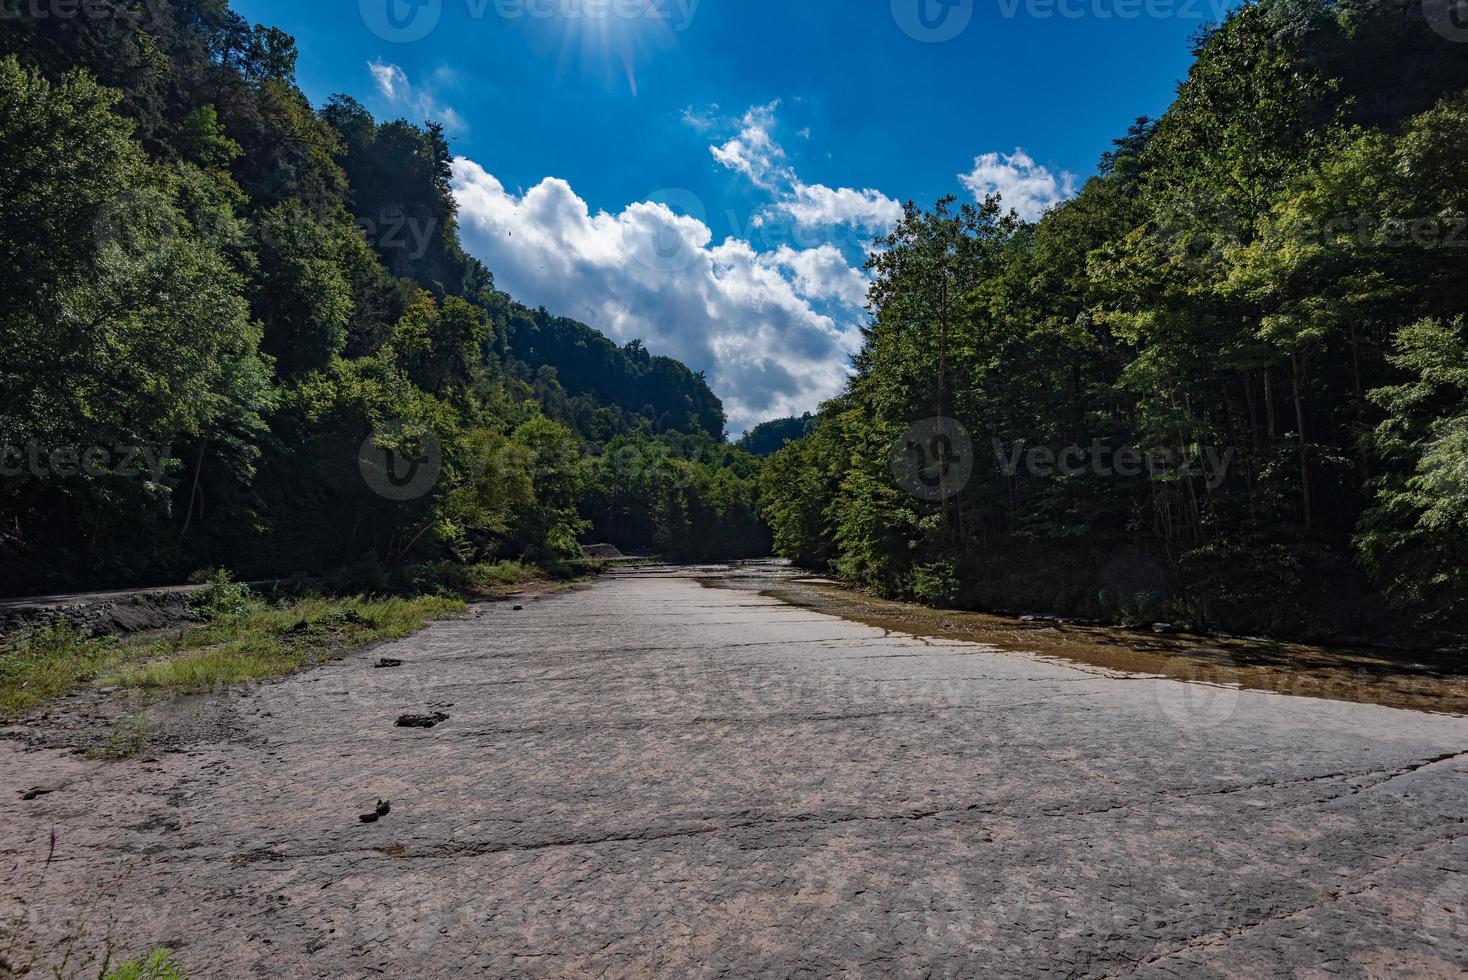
{"x":605,"y":38}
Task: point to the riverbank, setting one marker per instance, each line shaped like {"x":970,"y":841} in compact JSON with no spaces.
{"x":101,"y":683}
{"x":1416,"y":680}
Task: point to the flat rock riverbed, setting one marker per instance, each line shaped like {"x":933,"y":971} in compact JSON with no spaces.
{"x":673,"y":772}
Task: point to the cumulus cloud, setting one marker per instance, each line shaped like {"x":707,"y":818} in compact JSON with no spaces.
{"x":1025,"y":186}
{"x":773,"y":330}
{"x":758,"y":155}
{"x":754,"y":152}
{"x":823,"y":274}
{"x":816,"y":205}
{"x":421,"y":102}
{"x":773,"y":323}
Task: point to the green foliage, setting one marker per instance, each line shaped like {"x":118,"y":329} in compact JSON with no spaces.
{"x":222,"y":596}
{"x":1416,"y":534}
{"x":936,"y":584}
{"x":685,"y":497}
{"x":269,"y":641}
{"x":1272,"y":270}
{"x":157,"y":965}
{"x":200,"y":264}
{"x":41,"y":664}
{"x":768,"y":438}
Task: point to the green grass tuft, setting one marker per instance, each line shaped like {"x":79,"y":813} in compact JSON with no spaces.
{"x":158,"y":965}
{"x":252,"y":643}
{"x":269,"y":642}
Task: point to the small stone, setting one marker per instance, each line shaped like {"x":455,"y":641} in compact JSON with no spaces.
{"x":384,"y":807}
{"x":422,"y":721}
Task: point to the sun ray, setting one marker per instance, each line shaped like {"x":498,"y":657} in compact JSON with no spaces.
{"x":600,"y":41}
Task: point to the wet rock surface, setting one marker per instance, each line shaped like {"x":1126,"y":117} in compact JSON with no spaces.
{"x":653,"y":777}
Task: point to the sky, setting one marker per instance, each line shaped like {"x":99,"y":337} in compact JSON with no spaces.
{"x":707,"y":175}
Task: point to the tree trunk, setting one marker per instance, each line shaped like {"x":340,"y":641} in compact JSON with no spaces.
{"x":1269,"y":403}
{"x":1296,"y":370}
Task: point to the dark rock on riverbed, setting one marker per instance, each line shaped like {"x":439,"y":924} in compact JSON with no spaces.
{"x":384,"y":807}
{"x":422,"y":721}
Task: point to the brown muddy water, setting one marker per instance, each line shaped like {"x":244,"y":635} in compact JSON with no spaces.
{"x":1399,"y":679}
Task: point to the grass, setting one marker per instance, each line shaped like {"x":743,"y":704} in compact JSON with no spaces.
{"x":492,"y":579}
{"x":265,"y":642}
{"x":47,"y":663}
{"x":158,"y":965}
{"x":254,"y":643}
{"x":243,"y":638}
{"x":127,"y":739}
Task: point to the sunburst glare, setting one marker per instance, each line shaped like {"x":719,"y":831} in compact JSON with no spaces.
{"x":608,"y":39}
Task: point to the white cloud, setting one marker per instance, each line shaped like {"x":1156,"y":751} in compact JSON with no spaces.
{"x":816,"y":205}
{"x":391,"y":80}
{"x":772,"y":321}
{"x":701,"y":120}
{"x":420,"y":101}
{"x":754,"y":151}
{"x":823,"y":274}
{"x":756,"y":154}
{"x":774,"y":330}
{"x":1028,"y":188}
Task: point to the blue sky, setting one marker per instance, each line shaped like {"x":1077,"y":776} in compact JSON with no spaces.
{"x":704,"y":174}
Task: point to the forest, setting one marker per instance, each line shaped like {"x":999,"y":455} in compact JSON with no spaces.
{"x":1265,"y":287}
{"x":219,"y":301}
{"x":1225,"y":386}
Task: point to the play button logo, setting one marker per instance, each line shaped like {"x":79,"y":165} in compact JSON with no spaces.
{"x":401,"y":21}
{"x":933,"y":21}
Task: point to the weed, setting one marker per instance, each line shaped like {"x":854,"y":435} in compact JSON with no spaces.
{"x":268,"y":642}
{"x":256,"y":643}
{"x":223,"y":596}
{"x":157,"y":965}
{"x":127,"y":739}
{"x":43,"y":663}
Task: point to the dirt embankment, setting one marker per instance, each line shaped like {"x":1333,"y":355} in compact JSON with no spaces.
{"x":101,"y":614}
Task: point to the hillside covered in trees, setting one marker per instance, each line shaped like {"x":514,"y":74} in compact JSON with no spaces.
{"x":1225,"y":386}
{"x":215,"y":294}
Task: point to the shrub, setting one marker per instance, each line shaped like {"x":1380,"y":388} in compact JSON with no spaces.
{"x":223,"y":596}
{"x":936,"y":583}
